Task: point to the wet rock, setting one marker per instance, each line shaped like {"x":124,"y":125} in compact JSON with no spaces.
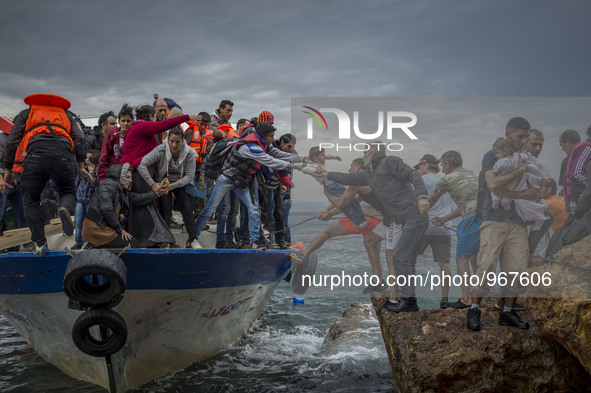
{"x":357,"y":317}
{"x":433,"y":351}
{"x":565,"y":317}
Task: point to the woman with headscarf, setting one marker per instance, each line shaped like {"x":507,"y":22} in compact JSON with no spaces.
{"x":109,"y":209}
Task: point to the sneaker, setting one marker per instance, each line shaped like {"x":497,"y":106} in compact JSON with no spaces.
{"x":232,"y":245}
{"x":500,"y":304}
{"x":405,"y":304}
{"x":510,"y":318}
{"x":297,"y":257}
{"x":258,"y":246}
{"x":165,"y":245}
{"x":459,"y":305}
{"x":375,"y":288}
{"x":39,"y":250}
{"x":473,"y":320}
{"x":194,"y":244}
{"x":76,"y":247}
{"x":220,"y":244}
{"x":443,"y":304}
{"x":66,"y":219}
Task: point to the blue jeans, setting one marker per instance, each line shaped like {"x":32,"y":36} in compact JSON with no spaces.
{"x":226,"y":222}
{"x":222,"y":217}
{"x":222,"y":187}
{"x":14,"y":196}
{"x":405,"y":254}
{"x":79,"y":215}
{"x":231,"y":220}
{"x":286,"y":211}
{"x":352,"y":210}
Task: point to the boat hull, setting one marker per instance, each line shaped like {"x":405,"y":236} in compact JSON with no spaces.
{"x":180,"y":307}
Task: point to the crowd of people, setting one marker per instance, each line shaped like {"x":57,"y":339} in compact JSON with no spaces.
{"x":123,"y":182}
{"x":506,"y":207}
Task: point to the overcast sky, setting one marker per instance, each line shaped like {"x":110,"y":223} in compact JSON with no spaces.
{"x":101,"y":54}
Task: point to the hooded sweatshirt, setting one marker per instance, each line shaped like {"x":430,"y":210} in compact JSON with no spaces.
{"x":161,"y":156}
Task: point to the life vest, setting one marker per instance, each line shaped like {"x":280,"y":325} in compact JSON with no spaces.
{"x":197,"y":142}
{"x":246,"y":166}
{"x":231,"y":133}
{"x":569,"y":181}
{"x":47,"y":116}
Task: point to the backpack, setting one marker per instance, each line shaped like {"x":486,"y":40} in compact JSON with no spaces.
{"x":574,"y":229}
{"x":214,"y":161}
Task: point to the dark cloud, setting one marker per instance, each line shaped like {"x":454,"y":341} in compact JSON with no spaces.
{"x":260,"y":54}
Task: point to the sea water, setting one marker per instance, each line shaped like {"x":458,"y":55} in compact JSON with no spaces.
{"x":284,"y":351}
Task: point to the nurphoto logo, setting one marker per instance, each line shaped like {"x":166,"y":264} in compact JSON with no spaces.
{"x":351,"y":125}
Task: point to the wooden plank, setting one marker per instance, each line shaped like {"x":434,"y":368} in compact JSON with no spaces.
{"x":16,"y":237}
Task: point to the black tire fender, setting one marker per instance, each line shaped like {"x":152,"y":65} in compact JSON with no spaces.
{"x":113,"y":334}
{"x":107,"y":287}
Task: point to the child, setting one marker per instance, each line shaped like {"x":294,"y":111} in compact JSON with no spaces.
{"x":84,"y":192}
{"x":352,"y":210}
{"x":535,"y":172}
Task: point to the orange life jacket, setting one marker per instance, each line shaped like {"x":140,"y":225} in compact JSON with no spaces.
{"x":197,"y":142}
{"x":231,"y":133}
{"x":47,"y":116}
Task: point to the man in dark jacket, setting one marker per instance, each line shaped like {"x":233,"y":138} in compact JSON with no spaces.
{"x":404,"y":198}
{"x":52,"y":137}
{"x":94,"y":138}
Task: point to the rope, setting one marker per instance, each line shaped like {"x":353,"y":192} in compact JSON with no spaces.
{"x":552,"y":261}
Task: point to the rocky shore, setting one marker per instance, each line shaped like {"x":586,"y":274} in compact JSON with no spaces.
{"x":433,"y":351}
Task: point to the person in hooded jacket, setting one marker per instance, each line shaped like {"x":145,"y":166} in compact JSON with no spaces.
{"x":109,"y":209}
{"x":175,"y":168}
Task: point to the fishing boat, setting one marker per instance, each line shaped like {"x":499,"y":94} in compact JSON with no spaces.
{"x":175,"y":307}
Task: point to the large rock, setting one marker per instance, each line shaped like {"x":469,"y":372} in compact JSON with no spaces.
{"x":356,"y":317}
{"x":433,"y":351}
{"x":565,"y":316}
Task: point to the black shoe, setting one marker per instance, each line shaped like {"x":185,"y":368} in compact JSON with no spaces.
{"x":473,"y":320}
{"x":443,"y":304}
{"x":375,"y":288}
{"x":510,"y":318}
{"x":405,"y":304}
{"x":258,"y":246}
{"x":66,"y":219}
{"x":232,"y":245}
{"x":76,"y":247}
{"x":220,"y":244}
{"x":459,"y":305}
{"x":282,"y":246}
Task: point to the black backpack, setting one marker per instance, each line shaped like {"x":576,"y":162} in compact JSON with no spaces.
{"x":214,"y":161}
